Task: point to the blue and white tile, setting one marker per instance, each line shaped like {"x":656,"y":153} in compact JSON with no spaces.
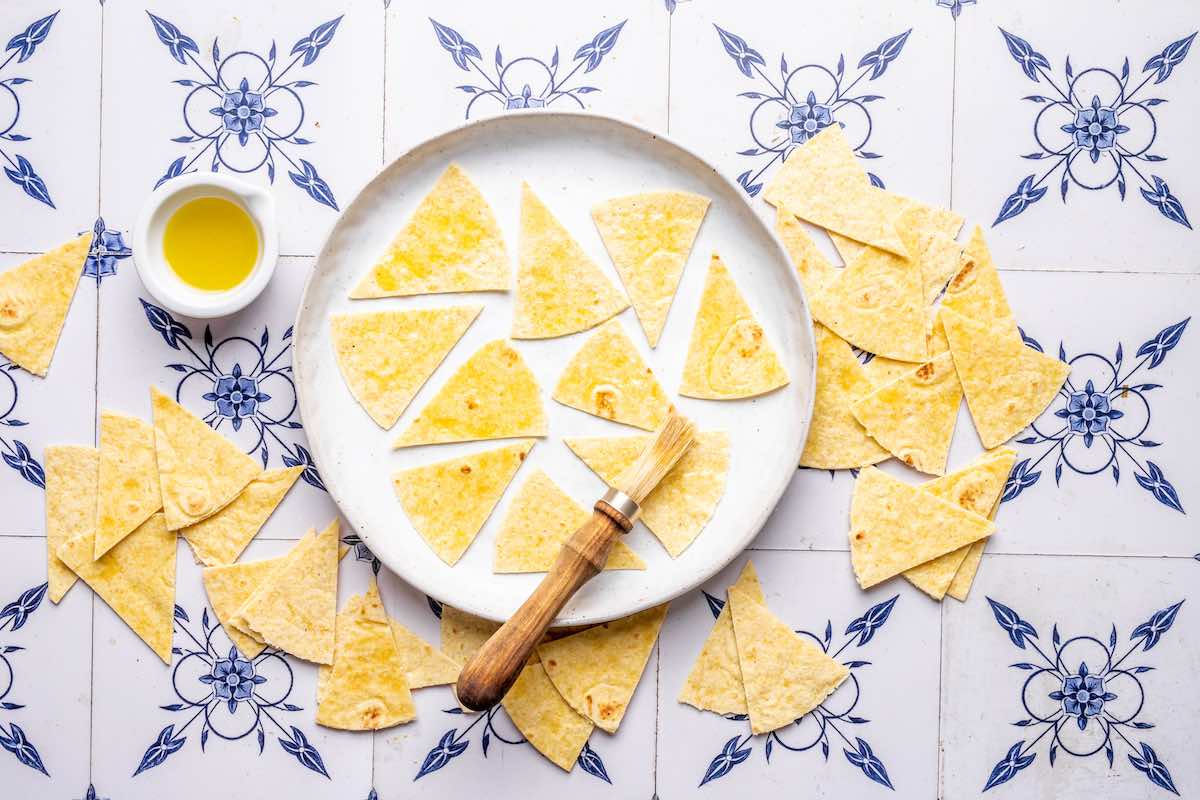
{"x":448,"y":63}
{"x":877,"y":732}
{"x":307,"y":121}
{"x":45,"y":676}
{"x":1072,"y":677}
{"x":49,"y":121}
{"x":1074,"y":133}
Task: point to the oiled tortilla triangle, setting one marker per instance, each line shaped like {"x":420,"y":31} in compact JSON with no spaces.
{"x":230,"y":585}
{"x":608,"y":377}
{"x":836,"y":440}
{"x":975,"y":292}
{"x":34,"y":299}
{"x":71,"y":483}
{"x":546,"y":721}
{"x":715,"y":681}
{"x":811,"y":265}
{"x":221,"y":538}
{"x":128,"y":490}
{"x":424,"y":664}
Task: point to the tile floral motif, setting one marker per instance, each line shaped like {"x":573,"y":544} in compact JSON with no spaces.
{"x":16,"y":453}
{"x":955,"y":6}
{"x":836,"y":714}
{"x":1081,"y":698}
{"x":107,"y":249}
{"x":90,"y":794}
{"x":364,"y":554}
{"x":19,"y":170}
{"x":1095,"y":128}
{"x":244,"y":111}
{"x":525,"y":81}
{"x":245,"y":383}
{"x":804,"y":100}
{"x":12,"y":618}
{"x":228,"y":696}
{"x":1101,"y":419}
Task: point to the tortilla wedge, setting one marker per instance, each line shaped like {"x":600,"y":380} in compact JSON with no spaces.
{"x":34,"y":299}
{"x":836,"y":440}
{"x":228,"y":586}
{"x":715,"y":681}
{"x":928,"y":220}
{"x":424,"y":664}
{"x":71,"y":481}
{"x":128,"y":490}
{"x":545,"y":719}
{"x":975,"y":292}
{"x":811,"y":265}
{"x":221,"y":538}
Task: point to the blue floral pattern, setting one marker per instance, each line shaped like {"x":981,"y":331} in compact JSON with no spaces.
{"x":1085,"y":710}
{"x":20,"y":48}
{"x":16,"y":453}
{"x":955,"y":6}
{"x":13,"y":737}
{"x":244,"y":111}
{"x":107,"y":249}
{"x":1095,"y":128}
{"x":803,"y":100}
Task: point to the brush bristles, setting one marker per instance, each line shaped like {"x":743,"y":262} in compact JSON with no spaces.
{"x":670,"y":443}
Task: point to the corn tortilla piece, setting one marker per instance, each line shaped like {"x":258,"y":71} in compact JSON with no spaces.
{"x":34,"y":299}
{"x":560,"y":289}
{"x":424,"y":664}
{"x":385,"y":357}
{"x":295,"y":607}
{"x":811,"y":265}
{"x":136,"y":578}
{"x":975,"y":291}
{"x":913,"y":417}
{"x":1006,"y":383}
{"x":715,"y":681}
{"x":128,"y":489}
{"x":450,"y":244}
{"x":546,"y":720}
{"x":71,"y":484}
{"x":928,"y":219}
{"x":683,"y":502}
{"x":895,"y":526}
{"x":976,"y":487}
{"x":729,"y":356}
{"x":786,"y":675}
{"x":228,"y":587}
{"x":823,"y":183}
{"x":462,"y":634}
{"x":608,"y":377}
{"x":221,"y":538}
{"x":539,"y":521}
{"x":199,"y":470}
{"x":366,"y":688}
{"x":494,"y":395}
{"x":960,"y":586}
{"x":597,"y":670}
{"x":940,"y":259}
{"x":835,"y":438}
{"x":882,"y":371}
{"x":649,"y":237}
{"x":475,"y":482}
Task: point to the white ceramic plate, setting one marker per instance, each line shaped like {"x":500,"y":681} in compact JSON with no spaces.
{"x":572,"y":161}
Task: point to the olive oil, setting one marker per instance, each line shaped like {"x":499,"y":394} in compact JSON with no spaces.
{"x":211,"y":243}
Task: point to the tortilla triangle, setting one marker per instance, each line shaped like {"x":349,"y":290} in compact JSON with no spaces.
{"x":679,"y":508}
{"x":835,"y":438}
{"x":560,"y":289}
{"x":71,"y":482}
{"x":34,"y":299}
{"x":882,"y":371}
{"x":715,"y":682}
{"x":230,"y":585}
{"x":1006,"y":383}
{"x":385,"y":357}
{"x":221,"y":538}
{"x":927,"y":219}
{"x":424,"y":664}
{"x":462,"y":634}
{"x":608,"y":377}
{"x":940,"y":259}
{"x":128,"y":491}
{"x":546,"y":720}
{"x":136,"y":578}
{"x":494,"y":395}
{"x":539,"y":521}
{"x":597,"y":670}
{"x":895,"y":526}
{"x":474,"y":483}
{"x":811,"y":265}
{"x":649,"y":238}
{"x":786,"y":675}
{"x":729,"y":356}
{"x":450,"y":244}
{"x":975,"y":291}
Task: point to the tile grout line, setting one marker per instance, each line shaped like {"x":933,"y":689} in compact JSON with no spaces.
{"x":670,"y":28}
{"x":657,"y":714}
{"x":941,"y":663}
{"x":953,"y":100}
{"x":384,"y":127}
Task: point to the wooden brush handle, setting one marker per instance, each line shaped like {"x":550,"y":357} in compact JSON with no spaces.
{"x":489,"y":674}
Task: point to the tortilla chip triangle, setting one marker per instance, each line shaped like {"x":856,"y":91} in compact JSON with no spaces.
{"x":295,"y":607}
{"x":539,"y":521}
{"x":424,"y":664}
{"x":366,"y":688}
{"x":1006,"y":383}
{"x":450,"y":244}
{"x":546,"y":720}
{"x":199,"y":470}
{"x":895,"y":526}
{"x":221,"y":538}
{"x":597,"y":670}
{"x":136,"y":578}
{"x":385,"y":357}
{"x":976,"y":487}
{"x":34,"y":299}
{"x":835,"y":439}
{"x":786,"y":675}
{"x":462,"y":634}
{"x":814,"y":269}
{"x":975,"y":291}
{"x":960,"y":587}
{"x":229,"y":586}
{"x":940,"y":259}
{"x":649,"y":237}
{"x":914,"y":415}
{"x":881,"y":371}
{"x":475,"y":482}
{"x":494,"y":395}
{"x":715,"y":682}
{"x":128,"y":491}
{"x":560,"y":289}
{"x":608,"y":377}
{"x":678,"y":509}
{"x":71,"y":474}
{"x":924,"y":218}
{"x":729,"y":355}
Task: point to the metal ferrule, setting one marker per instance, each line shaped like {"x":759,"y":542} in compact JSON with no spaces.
{"x":622,"y":503}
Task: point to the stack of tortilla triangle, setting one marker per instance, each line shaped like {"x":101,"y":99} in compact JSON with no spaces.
{"x":835,"y":438}
{"x":34,"y":299}
{"x":812,"y":267}
{"x":221,"y":538}
{"x":129,"y":492}
{"x":72,"y":475}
